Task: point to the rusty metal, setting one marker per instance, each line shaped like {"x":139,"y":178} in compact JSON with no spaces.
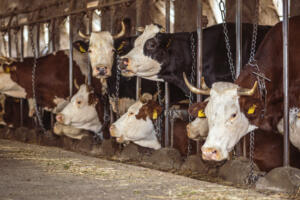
{"x":285,"y":30}
{"x":66,"y":14}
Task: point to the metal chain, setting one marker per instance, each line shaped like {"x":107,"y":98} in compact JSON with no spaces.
{"x":33,"y":80}
{"x":251,"y":178}
{"x":192,"y":80}
{"x":117,"y":91}
{"x":158,"y":122}
{"x":254,"y":34}
{"x":16,"y":42}
{"x":222,"y":7}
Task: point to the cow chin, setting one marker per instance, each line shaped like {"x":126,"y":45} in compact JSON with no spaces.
{"x":127,"y":73}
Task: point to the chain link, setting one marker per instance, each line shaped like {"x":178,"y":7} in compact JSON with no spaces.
{"x":117,"y":90}
{"x":222,"y":7}
{"x":158,"y":122}
{"x":254,"y":34}
{"x":33,"y":80}
{"x":251,"y":178}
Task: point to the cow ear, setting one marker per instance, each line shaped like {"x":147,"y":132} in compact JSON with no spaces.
{"x":251,"y":107}
{"x":154,"y":110}
{"x":81,"y":46}
{"x":197,"y":109}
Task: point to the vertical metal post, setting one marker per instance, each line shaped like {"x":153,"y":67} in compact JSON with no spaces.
{"x":199,"y":53}
{"x":50,"y":48}
{"x":285,"y":31}
{"x":53,"y":35}
{"x":22,"y":43}
{"x":167,"y":92}
{"x":71,"y":56}
{"x":90,"y":29}
{"x":37,"y":40}
{"x":138,"y":23}
{"x":9,"y":43}
{"x":238,"y":60}
{"x":22,"y":59}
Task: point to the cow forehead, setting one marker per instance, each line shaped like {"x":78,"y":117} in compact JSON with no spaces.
{"x":224,"y":87}
{"x":102,"y":38}
{"x":149,"y":32}
{"x":82,"y":92}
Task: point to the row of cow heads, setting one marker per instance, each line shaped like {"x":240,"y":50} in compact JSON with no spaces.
{"x":101,"y":51}
{"x":227,"y":121}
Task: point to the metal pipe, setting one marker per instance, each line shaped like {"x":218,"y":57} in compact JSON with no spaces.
{"x":22,"y":43}
{"x":90,"y":30}
{"x":199,"y":53}
{"x":53,"y":35}
{"x":9,"y":43}
{"x":167,"y":92}
{"x":37,"y":40}
{"x":71,"y":56}
{"x":238,"y":38}
{"x":65,"y":14}
{"x":285,"y":29}
{"x":138,"y":23}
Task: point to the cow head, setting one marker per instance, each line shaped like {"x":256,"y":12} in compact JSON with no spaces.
{"x":136,"y":124}
{"x":138,"y":61}
{"x":101,"y":51}
{"x":81,"y":112}
{"x":198,"y":129}
{"x":227,"y":121}
{"x":294,"y":125}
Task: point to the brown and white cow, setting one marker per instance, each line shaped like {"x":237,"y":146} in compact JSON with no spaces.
{"x":233,"y":111}
{"x":137,"y":126}
{"x":51,"y":79}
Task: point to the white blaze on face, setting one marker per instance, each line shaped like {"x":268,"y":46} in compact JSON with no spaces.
{"x":197,"y":129}
{"x":79,"y":114}
{"x":139,"y":131}
{"x":227,"y":124}
{"x":140,"y":64}
{"x":294,"y":125}
{"x":101,"y":54}
{"x":11,"y":88}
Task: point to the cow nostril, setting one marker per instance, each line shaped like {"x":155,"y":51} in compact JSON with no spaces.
{"x":214,"y":152}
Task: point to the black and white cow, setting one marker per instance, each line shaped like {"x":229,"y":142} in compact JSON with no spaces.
{"x":165,"y":56}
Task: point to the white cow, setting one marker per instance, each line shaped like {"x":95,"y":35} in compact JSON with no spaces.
{"x":294,"y":116}
{"x":136,"y":124}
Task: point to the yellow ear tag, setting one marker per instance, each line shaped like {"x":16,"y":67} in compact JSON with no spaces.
{"x":82,"y":50}
{"x":121,"y":46}
{"x":251,"y":110}
{"x":154,"y":116}
{"x":7,"y":69}
{"x":201,"y":114}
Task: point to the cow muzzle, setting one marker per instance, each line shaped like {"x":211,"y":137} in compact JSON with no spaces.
{"x":60,"y":118}
{"x":211,"y":154}
{"x":101,"y":71}
{"x":123,"y":63}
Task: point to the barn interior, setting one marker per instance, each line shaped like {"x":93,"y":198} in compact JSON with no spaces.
{"x":36,"y":29}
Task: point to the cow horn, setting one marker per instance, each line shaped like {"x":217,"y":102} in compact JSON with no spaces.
{"x":194,"y":89}
{"x":246,"y":91}
{"x":140,"y":29}
{"x":154,"y":98}
{"x":76,"y":84}
{"x":203,"y":84}
{"x":83,"y":35}
{"x":122,"y":32}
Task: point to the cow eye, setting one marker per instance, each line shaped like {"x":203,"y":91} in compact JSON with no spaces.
{"x":233,"y":116}
{"x":79,"y":102}
{"x":89,"y":50}
{"x":131,"y":113}
{"x":151,"y":44}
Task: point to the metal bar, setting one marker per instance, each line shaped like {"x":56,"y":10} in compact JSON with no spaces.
{"x":285,"y":29}
{"x":90,"y":30}
{"x":199,"y":53}
{"x":53,"y":35}
{"x":22,"y":44}
{"x":9,"y":43}
{"x":37,"y":40}
{"x":75,"y":12}
{"x":172,"y":131}
{"x":167,"y":92}
{"x":138,"y":23}
{"x":238,"y":30}
{"x":50,"y":49}
{"x":21,"y":112}
{"x":71,"y":56}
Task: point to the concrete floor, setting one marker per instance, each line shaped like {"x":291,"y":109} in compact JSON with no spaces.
{"x":36,"y":172}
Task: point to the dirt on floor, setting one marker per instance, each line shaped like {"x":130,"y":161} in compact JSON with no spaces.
{"x":36,"y":172}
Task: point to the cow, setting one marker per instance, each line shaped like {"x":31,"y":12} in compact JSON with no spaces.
{"x":235,"y":109}
{"x":137,"y":126}
{"x":164,"y":56}
{"x":51,"y":84}
{"x":294,"y":117}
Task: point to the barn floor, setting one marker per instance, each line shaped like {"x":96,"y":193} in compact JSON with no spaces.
{"x":36,"y":172}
